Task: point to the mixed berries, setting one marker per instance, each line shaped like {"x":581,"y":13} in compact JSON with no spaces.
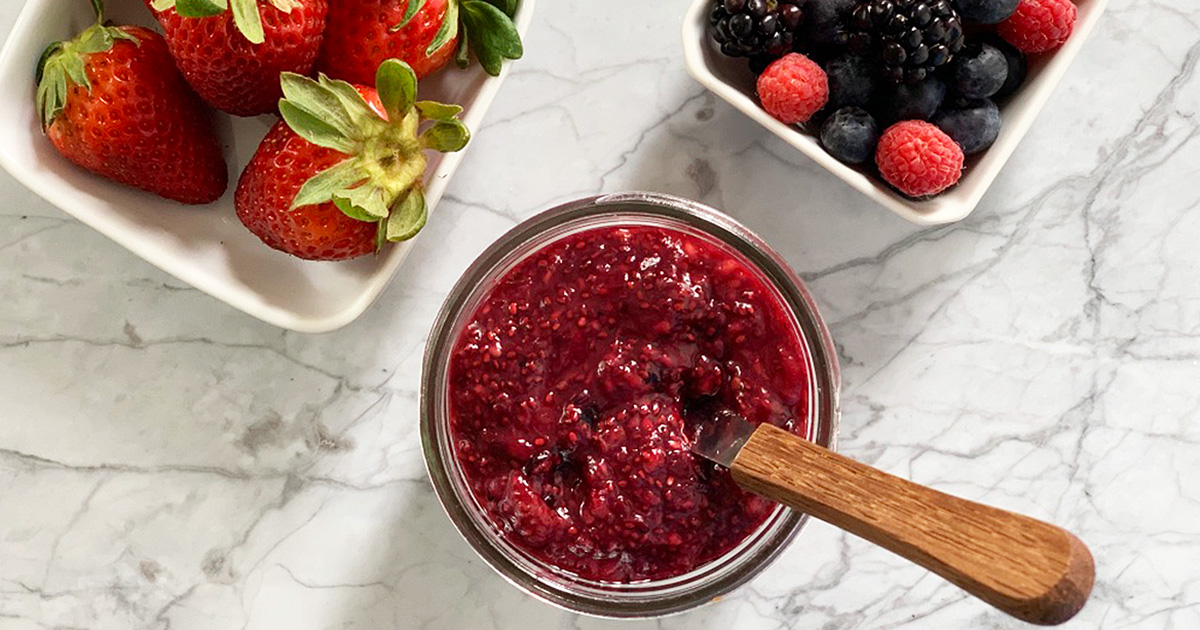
{"x":859,"y":74}
{"x":909,"y":40}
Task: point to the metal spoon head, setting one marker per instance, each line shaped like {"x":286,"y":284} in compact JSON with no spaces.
{"x":722,"y":438}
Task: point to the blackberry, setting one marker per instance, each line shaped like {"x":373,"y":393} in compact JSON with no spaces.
{"x":753,"y":28}
{"x":909,"y":39}
{"x":822,"y":22}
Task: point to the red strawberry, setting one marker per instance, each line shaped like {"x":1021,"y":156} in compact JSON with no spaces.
{"x":112,"y":102}
{"x":232,"y":51}
{"x":342,"y":172}
{"x":425,"y":34}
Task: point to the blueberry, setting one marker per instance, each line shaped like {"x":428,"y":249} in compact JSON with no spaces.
{"x":1018,"y":67}
{"x":822,"y":21}
{"x":985,"y":11}
{"x":973,"y":125}
{"x":850,"y":135}
{"x":851,"y":81}
{"x":916,"y":101}
{"x":979,"y":71}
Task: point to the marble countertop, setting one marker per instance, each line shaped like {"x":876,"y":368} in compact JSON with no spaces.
{"x":167,"y":462}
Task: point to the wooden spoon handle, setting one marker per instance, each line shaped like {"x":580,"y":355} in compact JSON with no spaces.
{"x":1031,"y":570}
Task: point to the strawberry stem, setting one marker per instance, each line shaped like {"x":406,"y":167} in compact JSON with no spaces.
{"x":381,"y":178}
{"x":62,"y":64}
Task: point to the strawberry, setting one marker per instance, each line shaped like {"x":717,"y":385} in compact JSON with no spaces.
{"x":425,"y":34}
{"x":232,"y":51}
{"x":342,"y":173}
{"x":112,"y":102}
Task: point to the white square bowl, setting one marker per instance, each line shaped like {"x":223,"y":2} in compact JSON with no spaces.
{"x":732,"y":80}
{"x":207,"y":247}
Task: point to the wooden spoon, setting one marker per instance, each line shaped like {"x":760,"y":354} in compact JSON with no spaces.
{"x":1034,"y":571}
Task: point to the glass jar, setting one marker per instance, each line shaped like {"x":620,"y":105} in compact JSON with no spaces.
{"x":538,"y":578}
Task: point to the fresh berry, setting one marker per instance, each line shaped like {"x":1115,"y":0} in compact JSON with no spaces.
{"x":823,"y":21}
{"x":985,"y":11}
{"x":342,"y":172}
{"x":233,"y":57}
{"x":1018,"y":66}
{"x":748,"y":28}
{"x":973,"y":125}
{"x":425,"y":34}
{"x":979,"y":71}
{"x":1039,"y":25}
{"x":112,"y":101}
{"x":909,"y":39}
{"x":851,"y":81}
{"x":850,"y":135}
{"x":793,"y":88}
{"x":914,"y":102}
{"x":918,"y":158}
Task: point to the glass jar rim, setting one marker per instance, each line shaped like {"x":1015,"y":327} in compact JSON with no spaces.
{"x":641,"y":600}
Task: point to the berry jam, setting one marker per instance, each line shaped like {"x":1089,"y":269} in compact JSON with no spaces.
{"x":576,"y":386}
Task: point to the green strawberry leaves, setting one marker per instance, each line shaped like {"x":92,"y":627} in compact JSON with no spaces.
{"x":63,"y":63}
{"x":434,"y":110}
{"x":364,"y":203}
{"x":322,"y":187}
{"x":447,"y":31}
{"x":408,"y":217}
{"x":484,"y":27}
{"x":247,"y":19}
{"x":380,"y":179}
{"x":319,"y":114}
{"x":246,"y":15}
{"x":509,"y":7}
{"x":396,"y":83}
{"x":491,"y":32}
{"x":200,"y":8}
{"x":446,"y":136}
{"x":410,"y":12}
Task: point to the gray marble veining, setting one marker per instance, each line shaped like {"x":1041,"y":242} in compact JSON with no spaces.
{"x":169,"y":463}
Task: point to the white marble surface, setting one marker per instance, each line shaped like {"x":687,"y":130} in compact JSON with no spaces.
{"x":167,"y":462}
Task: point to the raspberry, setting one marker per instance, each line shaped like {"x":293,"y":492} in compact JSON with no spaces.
{"x":1039,"y":25}
{"x":918,"y":158}
{"x":793,"y":88}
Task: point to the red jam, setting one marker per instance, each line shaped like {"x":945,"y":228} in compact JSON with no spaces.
{"x":573,"y":387}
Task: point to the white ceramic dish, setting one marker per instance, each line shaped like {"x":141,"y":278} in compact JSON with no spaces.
{"x":731,"y":80}
{"x":207,"y":246}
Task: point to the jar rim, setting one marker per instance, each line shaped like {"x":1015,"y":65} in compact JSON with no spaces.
{"x":649,"y":599}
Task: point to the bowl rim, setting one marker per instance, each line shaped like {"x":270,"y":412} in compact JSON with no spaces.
{"x":958,"y":202}
{"x":766,"y":543}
